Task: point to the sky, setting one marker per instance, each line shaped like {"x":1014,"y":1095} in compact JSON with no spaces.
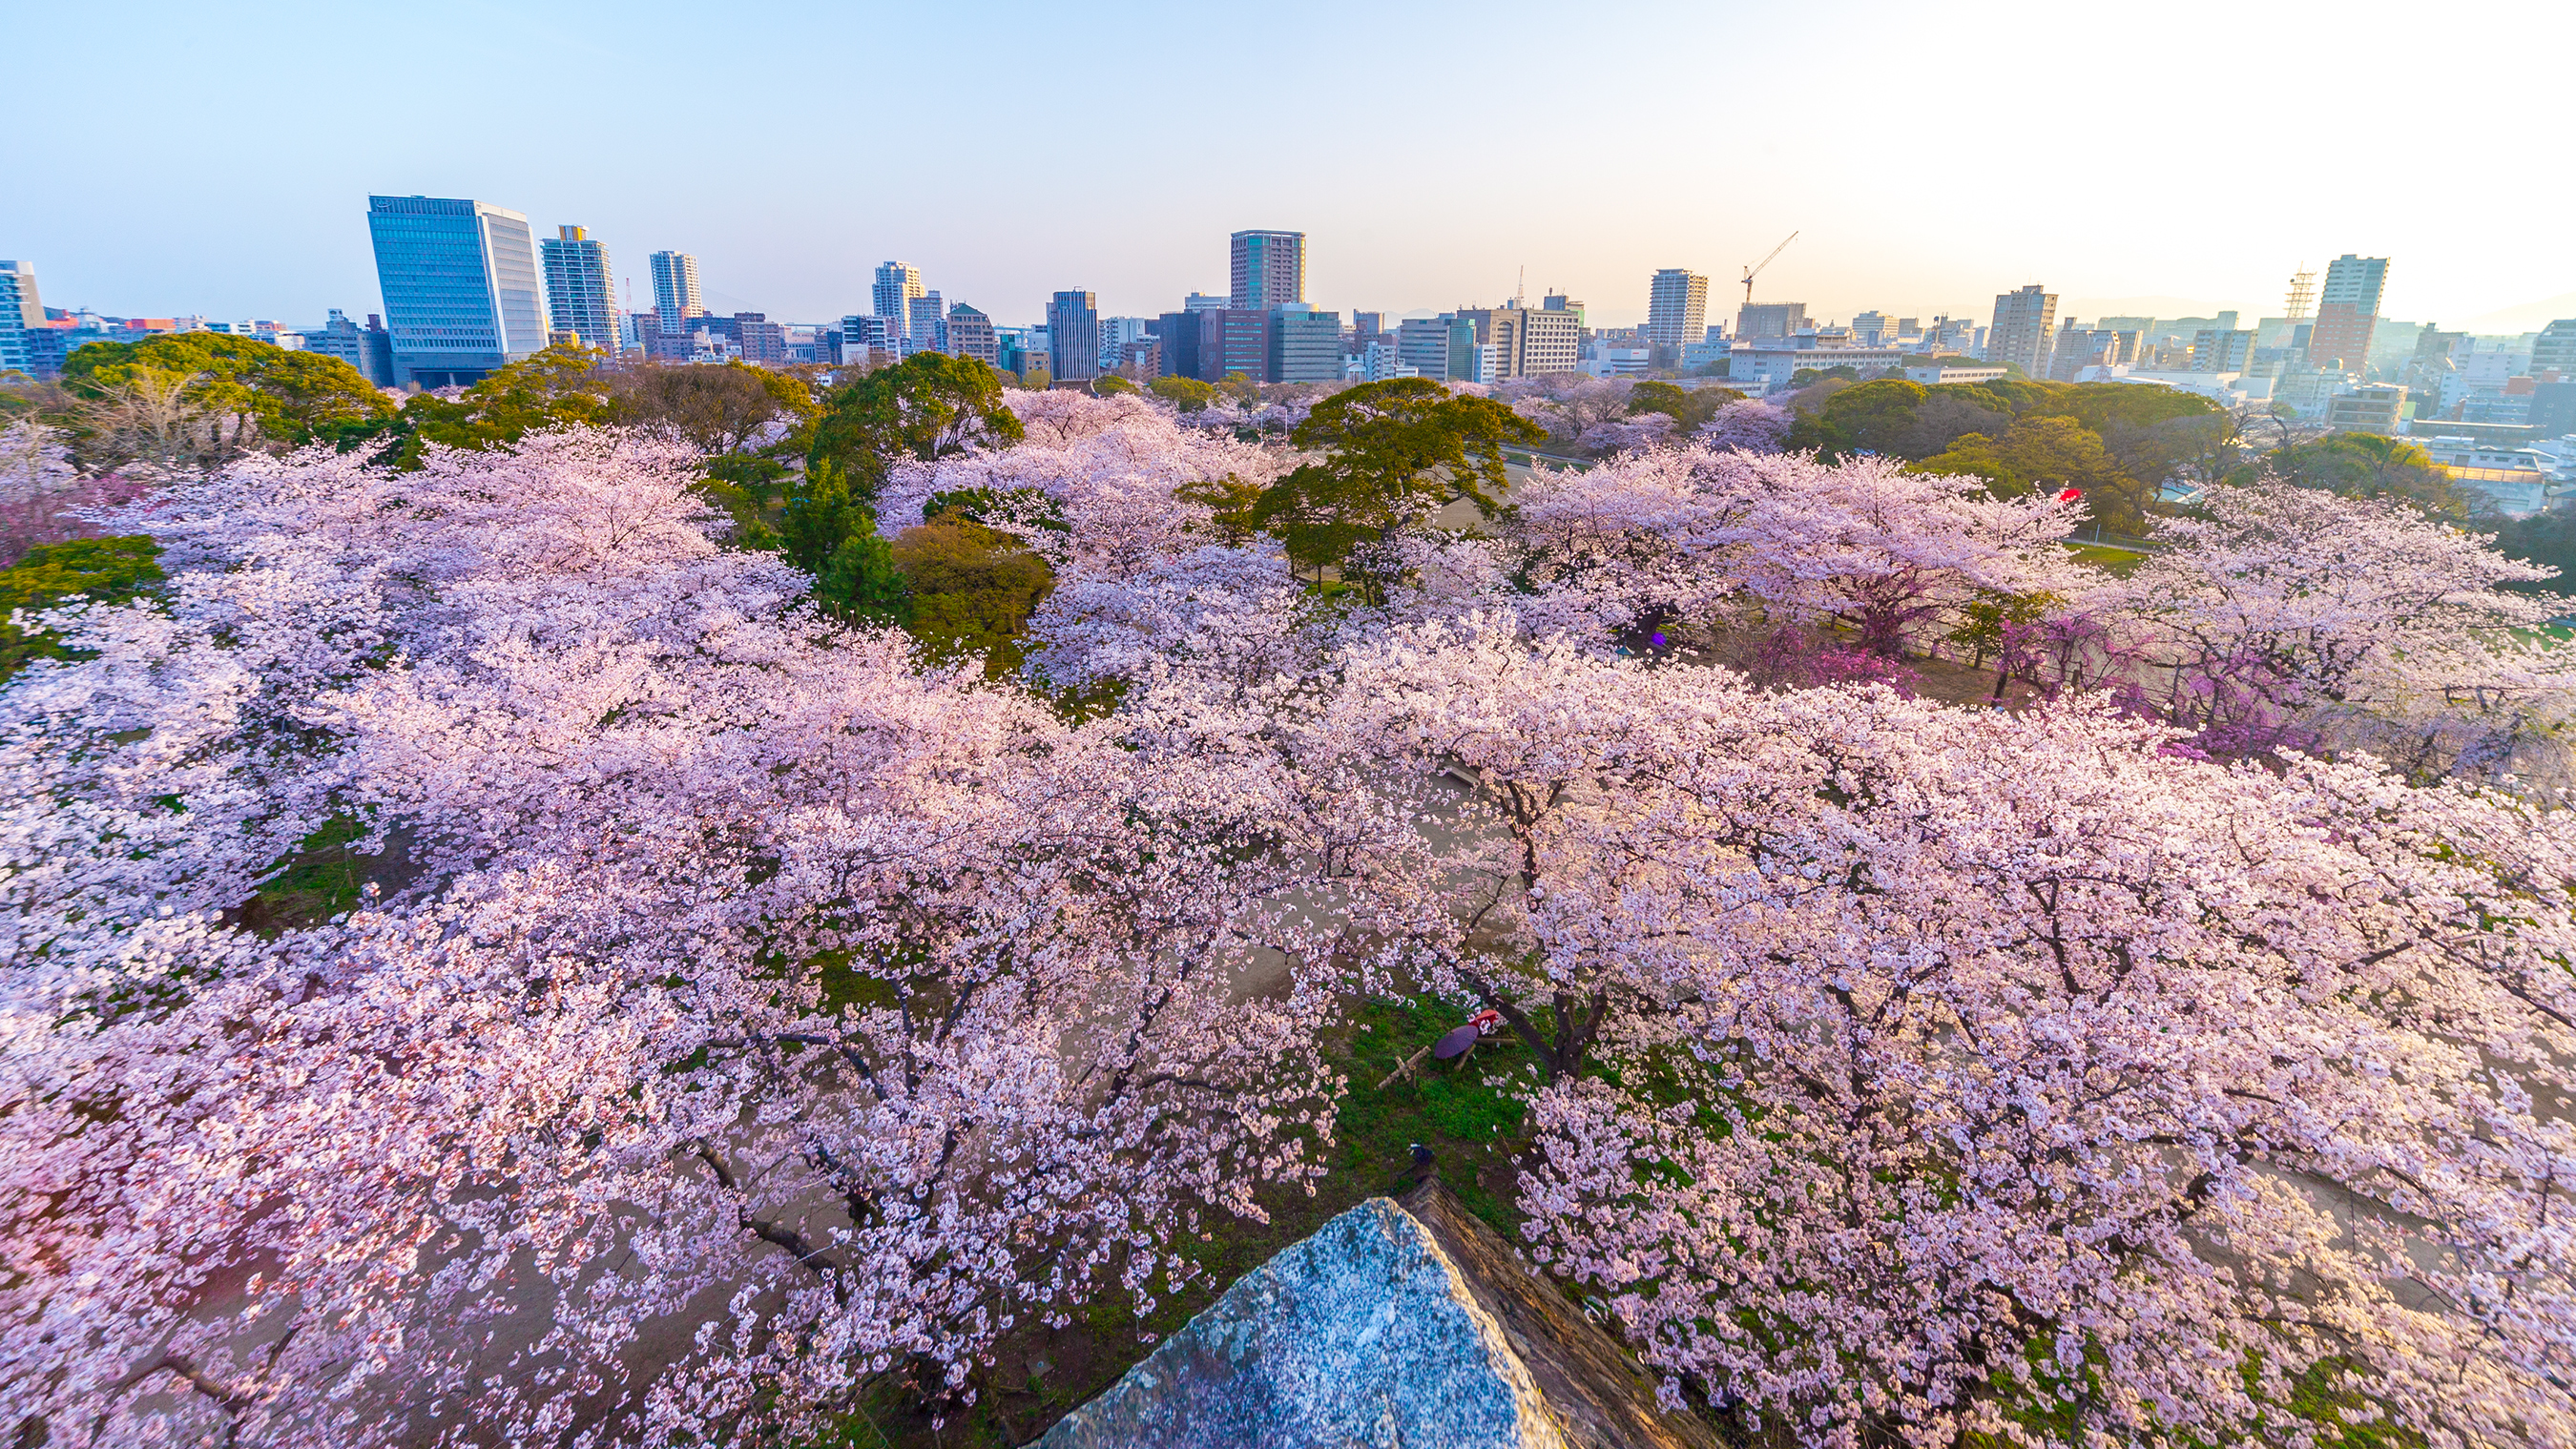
{"x":2171,"y":160}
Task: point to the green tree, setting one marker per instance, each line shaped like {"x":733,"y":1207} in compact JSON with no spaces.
{"x":970,"y":590}
{"x":562,"y":386}
{"x":2547,"y":537}
{"x":1240,"y":387}
{"x":2367,"y":465}
{"x":1688,"y":407}
{"x":833,"y":536}
{"x":716,"y":409}
{"x":927,"y":406}
{"x":293,"y":397}
{"x":102,"y":570}
{"x":1396,"y":452}
{"x":2046,"y":452}
{"x":1111,"y":385}
{"x":1186,"y":393}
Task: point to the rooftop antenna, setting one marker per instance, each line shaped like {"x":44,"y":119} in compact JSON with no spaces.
{"x":1755,"y":269}
{"x":2303,"y":291}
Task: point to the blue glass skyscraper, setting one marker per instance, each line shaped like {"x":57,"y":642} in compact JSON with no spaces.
{"x":462,"y":295}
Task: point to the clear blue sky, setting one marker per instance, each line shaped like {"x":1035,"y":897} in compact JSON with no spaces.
{"x":180,"y":158}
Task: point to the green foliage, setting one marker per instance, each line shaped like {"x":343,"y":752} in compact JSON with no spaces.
{"x":2367,"y":465}
{"x":102,"y":570}
{"x":323,"y":879}
{"x":716,"y":409}
{"x":2543,"y":538}
{"x":1468,"y":1111}
{"x":1111,"y":386}
{"x":927,"y":406}
{"x":1396,"y":452}
{"x":297,"y":397}
{"x":2048,"y":452}
{"x":1241,"y":388}
{"x":1186,"y":393}
{"x":862,"y":582}
{"x":971,"y":590}
{"x":1689,"y":407}
{"x":1810,"y":376}
{"x":559,"y":387}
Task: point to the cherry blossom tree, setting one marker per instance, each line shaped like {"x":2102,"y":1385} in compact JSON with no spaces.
{"x":2290,"y":614}
{"x":763,"y":1012}
{"x":1972,"y":1072}
{"x":44,"y":497}
{"x":1749,"y":427}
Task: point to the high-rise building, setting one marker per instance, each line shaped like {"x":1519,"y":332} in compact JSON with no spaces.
{"x":970,"y":334}
{"x":675,"y":291}
{"x":1676,"y":308}
{"x":2020,"y":332}
{"x":1559,"y":302}
{"x":2221,"y":349}
{"x":1769,"y":319}
{"x":861,"y":336}
{"x":1368,"y":324}
{"x":925,"y":323}
{"x":1073,"y":336}
{"x":581,"y":292}
{"x":1304,"y":345}
{"x":1269,"y":269}
{"x":1551,"y":340}
{"x":1178,"y":332}
{"x":1443,"y":347}
{"x":461,"y":287}
{"x":2078,"y":348}
{"x":1232,"y":340}
{"x":897,"y":284}
{"x":2554,"y":350}
{"x":2347,"y":312}
{"x":20,"y":310}
{"x":1873,"y":329}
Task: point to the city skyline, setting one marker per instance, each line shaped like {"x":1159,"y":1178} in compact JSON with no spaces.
{"x":1697,"y":171}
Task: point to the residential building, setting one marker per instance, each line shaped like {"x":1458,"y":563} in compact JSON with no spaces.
{"x":1073,"y":336}
{"x":21,"y":311}
{"x":2370,"y":408}
{"x":1676,"y":308}
{"x":1269,"y":269}
{"x":581,"y":291}
{"x":1115,"y":334}
{"x":2019,"y":336}
{"x":970,"y":334}
{"x":461,"y":289}
{"x":2215,"y":350}
{"x":866,"y":340}
{"x":676,"y":298}
{"x":2079,"y":348}
{"x":1304,"y":345}
{"x":2347,"y":312}
{"x":366,"y":348}
{"x":925,"y":324}
{"x":759,"y":340}
{"x":1769,"y":319}
{"x":897,"y":284}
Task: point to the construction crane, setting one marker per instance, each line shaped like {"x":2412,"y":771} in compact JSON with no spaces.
{"x":1755,"y":269}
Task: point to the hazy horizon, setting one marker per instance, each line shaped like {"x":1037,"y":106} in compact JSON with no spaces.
{"x":219,"y":161}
